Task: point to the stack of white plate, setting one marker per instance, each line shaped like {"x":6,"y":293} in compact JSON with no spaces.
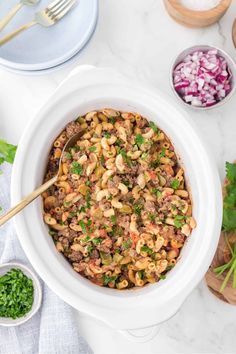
{"x":39,"y":49}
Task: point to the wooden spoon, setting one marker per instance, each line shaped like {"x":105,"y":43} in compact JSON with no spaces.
{"x":32,"y":196}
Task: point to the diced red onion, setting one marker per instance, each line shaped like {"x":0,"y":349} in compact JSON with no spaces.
{"x":203,"y":78}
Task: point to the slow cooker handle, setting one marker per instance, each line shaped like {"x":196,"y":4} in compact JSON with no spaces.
{"x":141,"y":335}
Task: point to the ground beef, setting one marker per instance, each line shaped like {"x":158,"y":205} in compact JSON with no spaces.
{"x":72,"y":129}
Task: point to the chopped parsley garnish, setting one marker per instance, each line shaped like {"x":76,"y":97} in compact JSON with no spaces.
{"x":89,"y":249}
{"x":139,"y":140}
{"x":88,"y":199}
{"x":102,"y":160}
{"x":16,"y":294}
{"x":83,"y":226}
{"x":113,"y":219}
{"x":88,"y":183}
{"x":146,"y":249}
{"x":154,"y":164}
{"x":141,"y":274}
{"x":107,"y":279}
{"x":152,"y":217}
{"x":82,"y":210}
{"x":97,"y":240}
{"x":163,"y":152}
{"x":162,"y":277}
{"x":127,"y":244}
{"x":125,"y":157}
{"x":154,"y":127}
{"x":138,"y":208}
{"x":175,"y":184}
{"x":86,"y":239}
{"x":179,"y":221}
{"x":107,"y":135}
{"x":112,"y":120}
{"x":92,"y":148}
{"x":76,"y":168}
{"x":156,"y":192}
{"x":118,"y":142}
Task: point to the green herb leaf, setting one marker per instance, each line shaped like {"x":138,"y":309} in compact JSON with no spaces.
{"x":146,"y":249}
{"x":174,"y":184}
{"x":96,"y":240}
{"x":127,"y":244}
{"x":107,"y":279}
{"x":138,"y":208}
{"x":107,"y":135}
{"x":154,"y":127}
{"x":92,"y":148}
{"x":179,"y":221}
{"x":139,"y":140}
{"x":76,"y":168}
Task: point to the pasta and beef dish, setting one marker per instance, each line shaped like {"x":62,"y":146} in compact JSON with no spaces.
{"x":120,"y":211}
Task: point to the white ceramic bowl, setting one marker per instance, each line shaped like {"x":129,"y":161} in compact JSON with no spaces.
{"x":9,"y":322}
{"x":83,"y":91}
{"x":231,"y":65}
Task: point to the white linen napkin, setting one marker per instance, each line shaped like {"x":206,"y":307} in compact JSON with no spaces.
{"x":53,"y":330}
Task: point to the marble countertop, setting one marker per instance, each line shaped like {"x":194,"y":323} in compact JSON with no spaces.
{"x":138,"y":38}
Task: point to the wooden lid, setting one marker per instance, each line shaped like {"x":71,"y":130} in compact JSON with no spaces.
{"x":192,"y":18}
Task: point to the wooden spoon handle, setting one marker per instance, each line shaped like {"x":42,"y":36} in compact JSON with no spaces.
{"x":27,"y":200}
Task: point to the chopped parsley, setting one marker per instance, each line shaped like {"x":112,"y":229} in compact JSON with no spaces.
{"x":107,"y":279}
{"x":154,"y":127}
{"x":127,"y":244}
{"x":81,"y":210}
{"x":152,"y":217}
{"x":97,"y":240}
{"x":88,"y":199}
{"x":113,"y":219}
{"x":92,"y":148}
{"x":146,"y":249}
{"x":139,"y":140}
{"x":76,"y":168}
{"x":83,"y":226}
{"x":175,"y":184}
{"x":156,"y":192}
{"x":179,"y":221}
{"x":16,"y":294}
{"x":102,"y":160}
{"x":162,"y":277}
{"x":138,"y":208}
{"x":163,"y":152}
{"x":154,"y":164}
{"x":107,"y":135}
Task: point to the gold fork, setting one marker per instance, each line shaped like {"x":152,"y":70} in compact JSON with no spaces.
{"x":47,"y":17}
{"x":14,"y":10}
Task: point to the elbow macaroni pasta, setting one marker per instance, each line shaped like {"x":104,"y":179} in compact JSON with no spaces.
{"x":120,"y":212}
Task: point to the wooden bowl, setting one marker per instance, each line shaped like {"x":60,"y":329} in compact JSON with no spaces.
{"x":197,"y":19}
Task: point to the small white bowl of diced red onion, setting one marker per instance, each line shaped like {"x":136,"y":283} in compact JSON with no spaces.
{"x":203,"y":77}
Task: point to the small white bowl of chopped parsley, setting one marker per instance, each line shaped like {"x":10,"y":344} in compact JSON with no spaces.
{"x":20,"y":294}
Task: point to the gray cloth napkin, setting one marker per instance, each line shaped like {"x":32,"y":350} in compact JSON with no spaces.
{"x":53,"y":330}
